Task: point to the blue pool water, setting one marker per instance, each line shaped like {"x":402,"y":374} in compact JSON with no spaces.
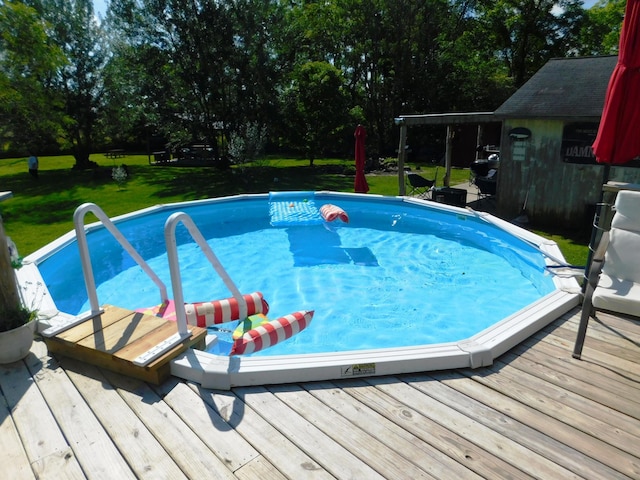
{"x":398,"y":274}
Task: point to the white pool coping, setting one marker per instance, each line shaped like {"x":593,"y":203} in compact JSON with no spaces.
{"x":223,"y":372}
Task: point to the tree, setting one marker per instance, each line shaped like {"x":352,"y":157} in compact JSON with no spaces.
{"x":184,"y":48}
{"x":29,"y":105}
{"x":600,"y":32}
{"x":258,"y":68}
{"x":316,"y":106}
{"x":79,"y":81}
{"x":52,"y":60}
{"x":527,"y":33}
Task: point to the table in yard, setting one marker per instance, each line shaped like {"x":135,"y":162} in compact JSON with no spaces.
{"x":115,"y":153}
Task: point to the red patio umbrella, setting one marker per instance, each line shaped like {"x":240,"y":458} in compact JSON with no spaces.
{"x":360,"y":184}
{"x":618,"y":139}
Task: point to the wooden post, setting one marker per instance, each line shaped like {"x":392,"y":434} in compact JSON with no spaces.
{"x":402,"y":152}
{"x":9,"y":295}
{"x":447,"y":156}
{"x":479,"y":139}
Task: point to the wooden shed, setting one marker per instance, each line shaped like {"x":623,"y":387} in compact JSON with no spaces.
{"x":548,"y":127}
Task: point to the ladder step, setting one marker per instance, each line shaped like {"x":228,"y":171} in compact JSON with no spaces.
{"x":160,"y":349}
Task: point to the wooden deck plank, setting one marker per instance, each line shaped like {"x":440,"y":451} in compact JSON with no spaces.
{"x":334,"y":458}
{"x":567,"y":374}
{"x":367,"y":448}
{"x":259,"y":468}
{"x":442,"y":384}
{"x":137,"y":445}
{"x":536,"y":412}
{"x":597,"y":376}
{"x":571,"y":409}
{"x":25,"y":401}
{"x":15,"y":461}
{"x":44,"y":443}
{"x":494,"y":443}
{"x":394,"y":435}
{"x":91,"y":445}
{"x":266,"y":439}
{"x":605,"y":341}
{"x":119,"y":334}
{"x":87,"y":328}
{"x":425,"y":430}
{"x":563,"y":404}
{"x":211,"y":428}
{"x":193,"y":456}
{"x":161,"y":331}
{"x":608,"y":360}
{"x":526,"y":406}
{"x":141,"y":345}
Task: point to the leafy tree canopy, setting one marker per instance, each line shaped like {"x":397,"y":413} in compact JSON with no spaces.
{"x":305,"y":71}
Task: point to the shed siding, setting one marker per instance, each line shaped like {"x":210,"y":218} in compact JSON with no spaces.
{"x":560,"y":194}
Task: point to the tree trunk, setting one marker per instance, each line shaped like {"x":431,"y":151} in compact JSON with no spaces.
{"x":83,"y":162}
{"x":9,"y":295}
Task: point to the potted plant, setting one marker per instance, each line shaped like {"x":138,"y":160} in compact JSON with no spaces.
{"x":17,"y":323}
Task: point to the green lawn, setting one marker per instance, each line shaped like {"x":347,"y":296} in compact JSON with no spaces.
{"x":42,"y":209}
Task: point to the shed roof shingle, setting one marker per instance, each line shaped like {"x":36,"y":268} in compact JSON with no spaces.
{"x":563,"y":87}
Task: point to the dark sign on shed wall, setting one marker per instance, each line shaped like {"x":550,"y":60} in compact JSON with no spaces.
{"x":577,"y":139}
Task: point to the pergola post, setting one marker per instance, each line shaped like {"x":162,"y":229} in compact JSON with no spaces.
{"x":448,"y":155}
{"x":479,"y":140}
{"x":448,"y":119}
{"x":402,"y":153}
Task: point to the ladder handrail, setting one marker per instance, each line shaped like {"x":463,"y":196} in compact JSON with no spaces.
{"x":174,"y":266}
{"x":87,"y":269}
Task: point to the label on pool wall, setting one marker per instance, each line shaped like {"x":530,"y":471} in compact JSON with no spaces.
{"x":358,"y":370}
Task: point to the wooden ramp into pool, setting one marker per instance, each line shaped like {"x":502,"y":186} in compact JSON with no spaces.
{"x":115,"y":339}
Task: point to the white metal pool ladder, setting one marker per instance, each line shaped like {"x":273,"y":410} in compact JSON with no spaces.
{"x":174,"y":268}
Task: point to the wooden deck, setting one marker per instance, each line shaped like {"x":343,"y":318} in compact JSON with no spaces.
{"x":536,"y":413}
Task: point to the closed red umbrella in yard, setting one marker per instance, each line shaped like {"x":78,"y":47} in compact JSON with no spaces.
{"x":360,"y":185}
{"x":618,"y":139}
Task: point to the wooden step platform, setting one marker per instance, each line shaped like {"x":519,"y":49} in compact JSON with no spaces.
{"x":117,"y":337}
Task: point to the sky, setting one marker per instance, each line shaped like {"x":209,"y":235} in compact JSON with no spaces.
{"x":100,"y":7}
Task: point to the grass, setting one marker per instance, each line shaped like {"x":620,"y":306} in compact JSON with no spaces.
{"x":42,"y":209}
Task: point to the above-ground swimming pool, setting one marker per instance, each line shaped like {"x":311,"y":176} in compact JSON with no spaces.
{"x":406,"y":285}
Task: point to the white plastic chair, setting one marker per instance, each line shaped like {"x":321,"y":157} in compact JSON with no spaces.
{"x":614,"y":279}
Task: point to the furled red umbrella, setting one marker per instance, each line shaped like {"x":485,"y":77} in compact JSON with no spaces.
{"x":618,"y":141}
{"x":360,"y":185}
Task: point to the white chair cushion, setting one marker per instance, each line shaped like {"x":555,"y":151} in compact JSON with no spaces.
{"x":622,"y":259}
{"x":617,"y":295}
{"x":627,"y":215}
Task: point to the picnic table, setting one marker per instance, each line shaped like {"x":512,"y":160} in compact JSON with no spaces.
{"x":161,"y":156}
{"x":117,"y":153}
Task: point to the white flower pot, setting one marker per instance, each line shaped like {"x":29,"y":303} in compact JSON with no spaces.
{"x":15,"y":344}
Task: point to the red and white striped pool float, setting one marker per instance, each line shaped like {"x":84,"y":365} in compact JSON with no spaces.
{"x":270,"y":333}
{"x":203,"y":314}
{"x":331,"y":212}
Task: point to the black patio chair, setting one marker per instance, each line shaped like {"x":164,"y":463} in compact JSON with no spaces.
{"x":419,"y":186}
{"x":487,"y":185}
